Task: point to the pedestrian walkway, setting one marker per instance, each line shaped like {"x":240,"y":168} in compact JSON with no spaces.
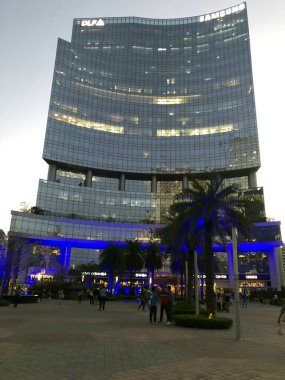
{"x":75,"y":341}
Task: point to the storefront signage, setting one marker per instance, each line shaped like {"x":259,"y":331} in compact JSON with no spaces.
{"x":254,"y":277}
{"x":141,"y":275}
{"x":98,"y":274}
{"x":40,"y":274}
{"x":223,"y":13}
{"x":221,"y":276}
{"x":251,"y":276}
{"x":95,"y":22}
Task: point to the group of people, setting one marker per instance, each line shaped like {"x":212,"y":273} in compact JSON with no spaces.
{"x":164,"y":298}
{"x":223,"y":301}
{"x":96,"y":296}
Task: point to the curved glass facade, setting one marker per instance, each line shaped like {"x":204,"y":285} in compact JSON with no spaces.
{"x":156,"y":98}
{"x":140,"y":106}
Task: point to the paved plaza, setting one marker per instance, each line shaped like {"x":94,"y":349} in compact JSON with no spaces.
{"x":75,"y":341}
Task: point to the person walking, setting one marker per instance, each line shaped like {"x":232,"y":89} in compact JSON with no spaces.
{"x":96,"y":295}
{"x":153,"y":302}
{"x":143,"y":299}
{"x":163,"y":304}
{"x":103,"y":295}
{"x":17,"y":296}
{"x":226,"y":303}
{"x":281,"y":316}
{"x":91,"y":296}
{"x":80,"y":295}
{"x":219,"y":302}
{"x":243,"y":299}
{"x":169,"y":305}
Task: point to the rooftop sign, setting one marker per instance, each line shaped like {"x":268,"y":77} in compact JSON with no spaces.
{"x":93,"y":22}
{"x":223,"y":13}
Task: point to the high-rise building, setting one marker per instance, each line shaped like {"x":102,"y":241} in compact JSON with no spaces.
{"x":138,"y":108}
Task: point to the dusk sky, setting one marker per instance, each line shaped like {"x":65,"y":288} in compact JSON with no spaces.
{"x":29,"y":30}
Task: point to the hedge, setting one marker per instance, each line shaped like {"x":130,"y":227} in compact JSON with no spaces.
{"x":187,"y":309}
{"x":202,"y":322}
{"x":4,"y":303}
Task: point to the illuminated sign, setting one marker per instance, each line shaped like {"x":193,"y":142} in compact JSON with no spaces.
{"x":140,"y":275}
{"x":221,"y":276}
{"x":41,"y":276}
{"x":225,"y":12}
{"x":100,"y":274}
{"x":251,"y":277}
{"x":95,"y":22}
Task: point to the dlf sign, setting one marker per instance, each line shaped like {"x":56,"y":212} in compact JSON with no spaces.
{"x":99,"y":22}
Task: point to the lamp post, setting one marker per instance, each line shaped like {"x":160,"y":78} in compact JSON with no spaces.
{"x":197,"y":283}
{"x":236,"y":282}
{"x":186,"y":280}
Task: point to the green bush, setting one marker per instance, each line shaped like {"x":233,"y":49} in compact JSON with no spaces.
{"x":22,"y":299}
{"x":183,"y":308}
{"x":4,"y":303}
{"x":202,"y":322}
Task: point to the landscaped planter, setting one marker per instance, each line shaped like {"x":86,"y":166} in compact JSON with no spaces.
{"x":22,"y":299}
{"x":202,"y":322}
{"x":4,"y":303}
{"x":182,"y":308}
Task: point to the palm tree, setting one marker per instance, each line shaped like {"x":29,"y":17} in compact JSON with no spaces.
{"x":112,"y":259}
{"x":180,"y":241}
{"x":133,"y":257}
{"x":153,"y":258}
{"x":210,"y":211}
{"x":177,"y":266}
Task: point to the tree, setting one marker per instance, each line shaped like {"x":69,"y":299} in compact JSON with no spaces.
{"x":36,"y":210}
{"x":153,"y":258}
{"x":3,"y":253}
{"x":180,"y":242}
{"x":133,"y":257}
{"x":17,"y":261}
{"x":112,"y":259}
{"x":210,"y":211}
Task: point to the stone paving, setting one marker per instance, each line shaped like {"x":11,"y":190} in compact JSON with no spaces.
{"x":75,"y":341}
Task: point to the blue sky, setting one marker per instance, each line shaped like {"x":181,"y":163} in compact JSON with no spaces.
{"x":29,"y":30}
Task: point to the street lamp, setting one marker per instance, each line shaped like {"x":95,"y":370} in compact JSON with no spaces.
{"x":236,"y":282}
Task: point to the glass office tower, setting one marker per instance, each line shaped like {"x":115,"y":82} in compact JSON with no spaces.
{"x":138,"y":108}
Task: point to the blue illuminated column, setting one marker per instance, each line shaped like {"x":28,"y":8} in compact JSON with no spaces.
{"x":62,"y":255}
{"x":231,"y":265}
{"x":67,"y":258}
{"x":274,"y":263}
{"x":64,"y":259}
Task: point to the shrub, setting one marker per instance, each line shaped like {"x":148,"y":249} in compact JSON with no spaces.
{"x":202,"y":322}
{"x":184,"y":308}
{"x":4,"y":303}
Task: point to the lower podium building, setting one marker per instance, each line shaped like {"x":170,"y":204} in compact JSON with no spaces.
{"x":139,"y":107}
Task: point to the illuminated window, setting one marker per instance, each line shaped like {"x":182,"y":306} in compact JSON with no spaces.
{"x":87,"y":123}
{"x":170,"y":80}
{"x":195,"y":132}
